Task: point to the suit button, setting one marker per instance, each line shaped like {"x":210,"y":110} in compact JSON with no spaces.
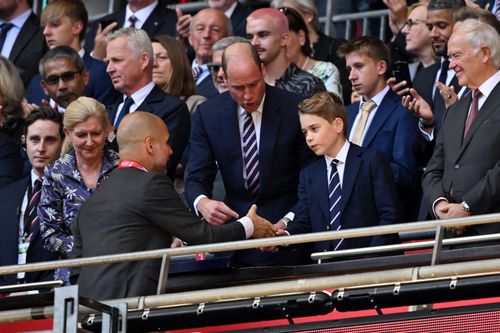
{"x":457,"y":166}
{"x":327,"y":227}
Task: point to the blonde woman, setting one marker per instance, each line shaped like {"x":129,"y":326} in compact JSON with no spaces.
{"x":70,"y":181}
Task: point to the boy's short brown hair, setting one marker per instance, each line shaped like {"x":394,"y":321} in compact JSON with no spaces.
{"x":74,"y":9}
{"x":326,"y":105}
{"x":371,"y":46}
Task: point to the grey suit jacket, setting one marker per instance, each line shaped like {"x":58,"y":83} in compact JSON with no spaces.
{"x":468,"y":169}
{"x":135,"y":211}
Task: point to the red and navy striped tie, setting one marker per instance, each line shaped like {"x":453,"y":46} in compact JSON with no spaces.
{"x":36,"y":192}
{"x":251,"y":154}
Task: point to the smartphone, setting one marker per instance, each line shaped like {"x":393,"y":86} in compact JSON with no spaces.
{"x":402,"y":72}
{"x":105,"y":23}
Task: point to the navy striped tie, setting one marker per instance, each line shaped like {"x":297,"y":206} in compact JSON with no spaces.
{"x":334,"y":195}
{"x":251,"y":154}
{"x":36,"y":192}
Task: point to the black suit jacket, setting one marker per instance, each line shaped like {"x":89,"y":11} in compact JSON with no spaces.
{"x":145,"y":216}
{"x":239,"y":19}
{"x":206,"y":88}
{"x":424,"y":84}
{"x":174,"y":113}
{"x":28,"y":49}
{"x":469,"y":169}
{"x":161,"y":21}
{"x":11,"y":199}
{"x":11,"y":165}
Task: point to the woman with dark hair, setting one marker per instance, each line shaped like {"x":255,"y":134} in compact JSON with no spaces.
{"x":172,"y":71}
{"x":299,"y":50}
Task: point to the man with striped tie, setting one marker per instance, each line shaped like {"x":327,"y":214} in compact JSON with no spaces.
{"x":20,"y":240}
{"x":351,"y":187}
{"x":252,"y":135}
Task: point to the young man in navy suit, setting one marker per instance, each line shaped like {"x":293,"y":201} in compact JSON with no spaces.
{"x":351,"y":187}
{"x":379,"y":121}
{"x":20,"y":240}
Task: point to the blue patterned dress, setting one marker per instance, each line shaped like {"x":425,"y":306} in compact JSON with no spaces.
{"x":63,"y":192}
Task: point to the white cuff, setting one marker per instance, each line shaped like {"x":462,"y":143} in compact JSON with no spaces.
{"x":427,"y":136}
{"x":435,"y":203}
{"x":248,"y":225}
{"x":195,"y":204}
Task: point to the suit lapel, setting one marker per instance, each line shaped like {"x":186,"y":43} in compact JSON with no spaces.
{"x":320,"y":186}
{"x":490,"y":105}
{"x":353,"y":162}
{"x":27,"y":31}
{"x":352,"y":111}
{"x":383,"y":112}
{"x":268,"y":134}
{"x":153,"y":22}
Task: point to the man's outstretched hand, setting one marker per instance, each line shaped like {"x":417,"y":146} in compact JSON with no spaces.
{"x":261,"y":227}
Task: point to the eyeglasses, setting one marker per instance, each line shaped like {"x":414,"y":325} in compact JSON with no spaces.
{"x":411,"y":22}
{"x":214,"y":67}
{"x":66,"y":77}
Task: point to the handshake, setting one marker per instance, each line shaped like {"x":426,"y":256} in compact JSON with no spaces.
{"x":263,"y":228}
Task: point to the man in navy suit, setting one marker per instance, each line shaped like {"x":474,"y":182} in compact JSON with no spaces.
{"x":351,"y":187}
{"x":149,"y":15}
{"x":219,"y":141}
{"x":23,"y":42}
{"x":379,"y":121}
{"x":20,"y":240}
{"x":65,"y":23}
{"x":130,"y":66}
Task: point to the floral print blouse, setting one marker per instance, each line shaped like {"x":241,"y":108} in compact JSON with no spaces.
{"x":63,"y":192}
{"x":329,"y":74}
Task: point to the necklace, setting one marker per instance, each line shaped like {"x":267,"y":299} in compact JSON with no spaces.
{"x":305,"y":63}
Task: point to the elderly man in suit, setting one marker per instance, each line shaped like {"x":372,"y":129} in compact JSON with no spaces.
{"x":20,"y":239}
{"x":65,"y":23}
{"x":146,"y":215}
{"x":379,"y":121}
{"x":152,"y":16}
{"x":21,"y":39}
{"x":252,"y":135}
{"x":463,"y":175}
{"x":130,"y":66}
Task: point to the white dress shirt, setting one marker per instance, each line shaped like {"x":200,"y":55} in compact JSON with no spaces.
{"x":138,"y":97}
{"x":141,"y":15}
{"x":11,"y":37}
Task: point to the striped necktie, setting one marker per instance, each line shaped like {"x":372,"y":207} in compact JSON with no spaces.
{"x":36,"y":192}
{"x":334,"y":196}
{"x":251,"y":154}
{"x":474,"y":110}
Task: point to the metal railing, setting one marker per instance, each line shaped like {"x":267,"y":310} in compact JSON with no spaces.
{"x":348,"y":19}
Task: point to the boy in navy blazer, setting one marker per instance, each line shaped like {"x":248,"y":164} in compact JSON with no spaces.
{"x":351,"y":187}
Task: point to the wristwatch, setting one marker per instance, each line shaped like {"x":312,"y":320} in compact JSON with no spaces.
{"x":465,"y":206}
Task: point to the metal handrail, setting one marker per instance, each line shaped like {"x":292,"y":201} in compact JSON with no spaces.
{"x":254,"y":243}
{"x":402,"y":247}
{"x":365,"y":16}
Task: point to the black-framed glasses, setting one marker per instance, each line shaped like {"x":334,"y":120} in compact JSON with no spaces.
{"x":214,"y":67}
{"x":412,"y":22}
{"x":66,"y":77}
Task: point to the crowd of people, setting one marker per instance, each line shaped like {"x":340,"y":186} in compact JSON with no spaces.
{"x":152,"y":128}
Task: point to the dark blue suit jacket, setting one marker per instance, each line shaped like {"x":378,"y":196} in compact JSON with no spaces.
{"x":369,"y":198}
{"x":392,"y":132}
{"x":11,"y":199}
{"x":99,"y":86}
{"x":215,"y":142}
{"x":206,"y":88}
{"x":174,"y":113}
{"x":239,"y":19}
{"x":11,"y":164}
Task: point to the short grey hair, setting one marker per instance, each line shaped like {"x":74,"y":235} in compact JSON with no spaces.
{"x":481,"y":34}
{"x":225,"y":42}
{"x":138,"y":41}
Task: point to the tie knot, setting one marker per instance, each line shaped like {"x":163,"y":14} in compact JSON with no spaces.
{"x":368,"y":106}
{"x":128,"y":101}
{"x":197,"y":70}
{"x":445,"y":65}
{"x":37,"y":186}
{"x":132,"y":19}
{"x":334,"y":163}
{"x":476,"y":94}
{"x":6,"y":26}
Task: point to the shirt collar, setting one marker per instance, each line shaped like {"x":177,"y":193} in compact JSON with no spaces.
{"x":19,"y":20}
{"x":230,"y":10}
{"x":34,"y":177}
{"x":260,"y":109}
{"x":141,"y":15}
{"x":378,"y":97}
{"x":140,"y":95}
{"x":487,"y":86}
{"x":341,"y":155}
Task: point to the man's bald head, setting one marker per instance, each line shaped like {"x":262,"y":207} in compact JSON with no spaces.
{"x":142,"y":137}
{"x":238,"y":52}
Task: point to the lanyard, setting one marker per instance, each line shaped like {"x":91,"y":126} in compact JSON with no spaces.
{"x":130,"y":164}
